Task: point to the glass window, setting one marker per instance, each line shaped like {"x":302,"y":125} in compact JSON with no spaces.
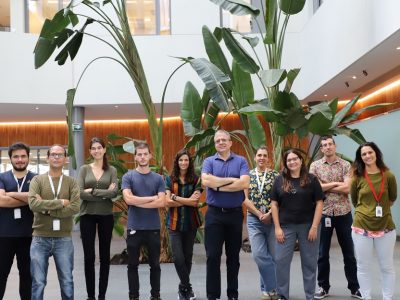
{"x":40,"y":10}
{"x":4,"y":15}
{"x":239,"y":23}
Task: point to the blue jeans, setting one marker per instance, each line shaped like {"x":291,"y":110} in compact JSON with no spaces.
{"x":62,"y":249}
{"x":342,"y":225}
{"x":308,"y":255}
{"x":262,"y":240}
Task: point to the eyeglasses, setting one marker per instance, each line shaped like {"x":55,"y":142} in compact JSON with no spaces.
{"x":57,"y":155}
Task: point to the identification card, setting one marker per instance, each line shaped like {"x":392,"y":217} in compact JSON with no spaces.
{"x":56,"y":225}
{"x":378,"y":211}
{"x":328,"y":222}
{"x":17,"y":213}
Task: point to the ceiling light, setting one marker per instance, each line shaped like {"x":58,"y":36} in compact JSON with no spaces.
{"x":37,"y":107}
{"x":398,"y":48}
{"x":325,"y":95}
{"x":365,"y":72}
{"x":354,"y":77}
{"x":115,"y":106}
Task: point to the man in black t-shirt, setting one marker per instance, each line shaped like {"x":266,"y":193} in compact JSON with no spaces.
{"x":16,"y":220}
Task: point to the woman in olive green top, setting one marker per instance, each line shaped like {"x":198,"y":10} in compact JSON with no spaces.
{"x":98,"y":184}
{"x":373,"y":191}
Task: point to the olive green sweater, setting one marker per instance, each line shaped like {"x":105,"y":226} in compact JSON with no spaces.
{"x":365,"y":203}
{"x":47,"y":209}
{"x":99,"y":202}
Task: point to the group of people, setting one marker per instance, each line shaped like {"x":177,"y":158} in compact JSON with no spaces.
{"x":295,"y":205}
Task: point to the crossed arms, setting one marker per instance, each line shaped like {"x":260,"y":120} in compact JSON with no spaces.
{"x":155,"y":201}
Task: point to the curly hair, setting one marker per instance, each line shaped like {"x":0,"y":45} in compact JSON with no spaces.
{"x":359,"y":165}
{"x":190,"y":174}
{"x":287,"y":178}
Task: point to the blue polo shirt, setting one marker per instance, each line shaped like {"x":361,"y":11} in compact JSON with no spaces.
{"x":234,"y":166}
{"x":9,"y":226}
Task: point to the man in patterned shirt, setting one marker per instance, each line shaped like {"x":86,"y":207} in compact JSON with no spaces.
{"x":334,"y":176}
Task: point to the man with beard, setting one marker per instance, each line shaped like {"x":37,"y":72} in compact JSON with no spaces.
{"x":334,"y":176}
{"x":16,"y":220}
{"x":144,"y":192}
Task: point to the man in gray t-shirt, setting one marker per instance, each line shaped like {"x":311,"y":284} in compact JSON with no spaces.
{"x":144,"y":192}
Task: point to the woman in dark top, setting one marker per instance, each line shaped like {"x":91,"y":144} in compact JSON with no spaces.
{"x":98,"y":183}
{"x":183,"y":194}
{"x":297,"y":202}
{"x":373,"y":191}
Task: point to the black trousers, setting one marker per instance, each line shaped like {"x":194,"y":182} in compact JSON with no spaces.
{"x":20,"y":247}
{"x":134,"y":241}
{"x":104,"y":225}
{"x":222,"y":227}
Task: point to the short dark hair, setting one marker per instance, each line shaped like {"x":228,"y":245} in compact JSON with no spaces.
{"x":142,"y":145}
{"x":359,"y":165}
{"x":18,"y":146}
{"x":327,"y":137}
{"x":56,"y":145}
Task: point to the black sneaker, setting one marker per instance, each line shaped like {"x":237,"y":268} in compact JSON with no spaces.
{"x":321,"y":293}
{"x":183,"y":295}
{"x":356,"y":294}
{"x":191,"y":294}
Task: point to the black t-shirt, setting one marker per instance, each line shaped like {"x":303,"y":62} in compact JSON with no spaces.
{"x":298,"y":205}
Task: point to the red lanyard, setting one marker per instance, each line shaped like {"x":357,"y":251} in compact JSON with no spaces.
{"x":377,"y":198}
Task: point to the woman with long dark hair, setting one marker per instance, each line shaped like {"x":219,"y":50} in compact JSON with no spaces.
{"x":99,"y":184}
{"x":183,"y":194}
{"x":373,"y":192}
{"x":297,"y":202}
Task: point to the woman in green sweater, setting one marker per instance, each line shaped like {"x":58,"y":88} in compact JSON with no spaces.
{"x":373,"y":191}
{"x":98,"y":184}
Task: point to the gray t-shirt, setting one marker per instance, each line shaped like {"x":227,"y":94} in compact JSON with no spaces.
{"x":143,"y":185}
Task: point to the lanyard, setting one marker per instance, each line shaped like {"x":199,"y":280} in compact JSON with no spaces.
{"x":22,"y":183}
{"x":377,"y":198}
{"x":260,"y":185}
{"x":52,"y":186}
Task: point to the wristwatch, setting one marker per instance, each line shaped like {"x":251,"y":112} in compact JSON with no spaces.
{"x":173,"y":197}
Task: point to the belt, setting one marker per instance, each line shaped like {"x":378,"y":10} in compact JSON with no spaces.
{"x":225,"y":210}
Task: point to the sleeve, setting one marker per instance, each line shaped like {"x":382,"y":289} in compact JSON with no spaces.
{"x":161,"y":185}
{"x":318,"y":193}
{"x":275,"y":189}
{"x":313,"y":169}
{"x":392,"y":185}
{"x":244,"y":167}
{"x":2,"y":186}
{"x":106,"y":193}
{"x":41,"y":205}
{"x":207,"y":166}
{"x":346,"y":170}
{"x":73,"y":207}
{"x":354,"y":191}
{"x":82,"y":181}
{"x":168,"y":183}
{"x":125,"y":182}
{"x":197,"y":184}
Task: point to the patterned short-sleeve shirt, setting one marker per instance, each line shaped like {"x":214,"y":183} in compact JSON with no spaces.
{"x":261,"y":201}
{"x":335,"y":204}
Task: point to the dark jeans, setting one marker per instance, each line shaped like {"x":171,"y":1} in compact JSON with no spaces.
{"x":222,"y":227}
{"x":20,"y":247}
{"x":182,"y":250}
{"x":150,"y":239}
{"x":104,"y":225}
{"x":342,"y":225}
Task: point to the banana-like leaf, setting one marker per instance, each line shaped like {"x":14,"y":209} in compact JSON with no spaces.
{"x":282,"y":129}
{"x":211,"y":115}
{"x":237,"y":7}
{"x":291,"y":76}
{"x":295,"y":118}
{"x":270,"y":115}
{"x":205,"y":151}
{"x":295,"y":101}
{"x":322,"y":108}
{"x":213,"y":78}
{"x":318,"y":123}
{"x":343,"y":112}
{"x":69,"y":104}
{"x":302,"y":131}
{"x":252,"y":40}
{"x":354,"y":134}
{"x":199,"y":137}
{"x":271,"y":22}
{"x":214,"y":51}
{"x":333,"y":104}
{"x":291,"y":7}
{"x":239,"y":54}
{"x":256,"y":130}
{"x":283,"y":102}
{"x":356,"y":114}
{"x":191,"y":109}
{"x":70,"y":49}
{"x":243,"y":92}
{"x":43,"y":50}
{"x":129,"y":147}
{"x":272,"y":77}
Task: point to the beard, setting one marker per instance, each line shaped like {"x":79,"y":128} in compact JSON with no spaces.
{"x":19,"y":169}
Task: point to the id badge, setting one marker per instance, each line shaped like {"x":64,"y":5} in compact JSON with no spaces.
{"x":378,"y":211}
{"x":328,"y":222}
{"x":17,"y":213}
{"x":56,"y":225}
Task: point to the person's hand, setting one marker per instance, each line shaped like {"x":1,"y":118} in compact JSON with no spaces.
{"x":266,"y":218}
{"x":312,"y":234}
{"x":89,"y":190}
{"x":65,"y":202}
{"x":280,"y":235}
{"x":196,"y":195}
{"x":112,"y":186}
{"x":38,"y":197}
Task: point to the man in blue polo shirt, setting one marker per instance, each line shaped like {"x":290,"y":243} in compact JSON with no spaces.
{"x":16,"y":220}
{"x":225,"y":175}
